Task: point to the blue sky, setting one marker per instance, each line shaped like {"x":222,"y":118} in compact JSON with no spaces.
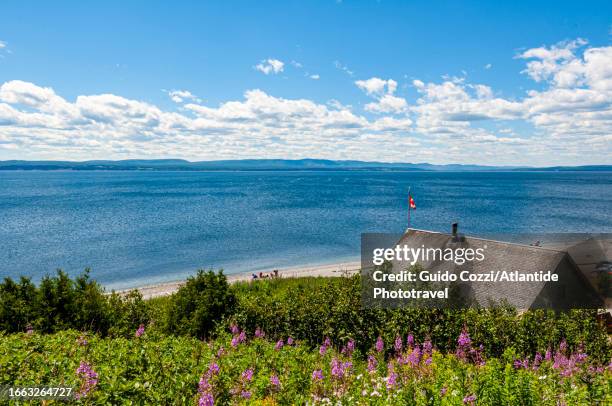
{"x":373,"y":80}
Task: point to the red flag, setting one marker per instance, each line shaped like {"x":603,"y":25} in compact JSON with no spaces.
{"x":411,"y":202}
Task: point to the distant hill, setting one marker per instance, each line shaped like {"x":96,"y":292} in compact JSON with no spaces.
{"x":268,"y":164}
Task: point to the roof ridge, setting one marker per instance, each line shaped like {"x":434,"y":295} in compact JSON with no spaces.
{"x":489,"y":240}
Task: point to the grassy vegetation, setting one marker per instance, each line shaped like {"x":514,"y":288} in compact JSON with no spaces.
{"x":122,"y":349}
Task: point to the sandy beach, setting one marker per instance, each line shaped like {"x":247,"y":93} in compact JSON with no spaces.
{"x":326,"y":270}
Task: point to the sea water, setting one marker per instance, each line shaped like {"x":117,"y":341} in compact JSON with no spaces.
{"x":135,"y":228}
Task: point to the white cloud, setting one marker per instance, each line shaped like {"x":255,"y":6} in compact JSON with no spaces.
{"x":376,"y":86}
{"x":549,"y":61}
{"x":567,"y":120}
{"x":383,"y":91}
{"x":2,"y":44}
{"x":343,"y":68}
{"x":571,"y":115}
{"x":268,"y":66}
{"x":488,"y":66}
{"x":387,"y":104}
{"x":315,"y":77}
{"x":34,"y":120}
{"x":180,"y":96}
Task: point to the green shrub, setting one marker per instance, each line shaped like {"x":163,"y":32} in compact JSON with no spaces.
{"x":308,"y":309}
{"x":199,"y":305}
{"x":61,"y":303}
{"x":312,"y":308}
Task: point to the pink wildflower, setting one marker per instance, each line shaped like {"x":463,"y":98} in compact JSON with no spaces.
{"x":372,"y":363}
{"x":398,"y":344}
{"x":247,"y":375}
{"x":89,"y":379}
{"x":391,"y":380}
{"x":317,"y":375}
{"x":410,"y":340}
{"x":259,"y":333}
{"x":469,"y":400}
{"x":380,"y":345}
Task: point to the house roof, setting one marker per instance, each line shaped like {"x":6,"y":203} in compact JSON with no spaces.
{"x":572,"y":290}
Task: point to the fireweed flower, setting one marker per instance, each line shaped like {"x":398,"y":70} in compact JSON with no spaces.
{"x":205,"y":391}
{"x":469,"y":400}
{"x":380,"y":345}
{"x":398,"y":344}
{"x":240,"y":338}
{"x":234,"y":329}
{"x":326,"y":344}
{"x":563,"y":346}
{"x":29,"y":329}
{"x":350,"y":347}
{"x":414,"y":358}
{"x":213,"y":369}
{"x":274,"y":380}
{"x":140,"y":331}
{"x":289,"y":341}
{"x":337,"y":371}
{"x":521,"y":364}
{"x":548,"y":355}
{"x":537,"y":360}
{"x":259,"y":333}
{"x":88,"y":377}
{"x":410,"y":340}
{"x":220,"y":352}
{"x":246,"y":394}
{"x":317,"y":375}
{"x":247,"y":375}
{"x":465,"y":352}
{"x":206,"y":399}
{"x":464,"y":338}
{"x":372,"y":363}
{"x":279,"y":345}
{"x":391,"y":380}
{"x":235,"y":342}
{"x":443,"y":391}
{"x":427,"y":347}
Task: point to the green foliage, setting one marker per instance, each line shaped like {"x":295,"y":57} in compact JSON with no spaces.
{"x":61,"y":303}
{"x":308,"y":309}
{"x":312,"y":308}
{"x":163,"y":370}
{"x":199,"y":305}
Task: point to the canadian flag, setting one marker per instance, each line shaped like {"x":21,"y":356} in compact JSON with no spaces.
{"x":411,"y":202}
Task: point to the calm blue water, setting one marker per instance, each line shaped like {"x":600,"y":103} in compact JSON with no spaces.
{"x":135,"y":228}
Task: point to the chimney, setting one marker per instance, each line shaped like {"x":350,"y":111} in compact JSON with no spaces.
{"x":455,"y":226}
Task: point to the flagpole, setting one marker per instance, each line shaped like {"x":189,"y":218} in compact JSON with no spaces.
{"x":409,"y":207}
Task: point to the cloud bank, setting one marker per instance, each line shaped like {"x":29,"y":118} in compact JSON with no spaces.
{"x":565,"y":119}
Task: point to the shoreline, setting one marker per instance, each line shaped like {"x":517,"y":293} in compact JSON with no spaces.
{"x":325,"y":270}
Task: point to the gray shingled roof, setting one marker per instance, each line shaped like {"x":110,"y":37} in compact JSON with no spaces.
{"x":571,"y":291}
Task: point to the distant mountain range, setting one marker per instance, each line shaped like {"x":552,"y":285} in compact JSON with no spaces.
{"x":269,"y":164}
